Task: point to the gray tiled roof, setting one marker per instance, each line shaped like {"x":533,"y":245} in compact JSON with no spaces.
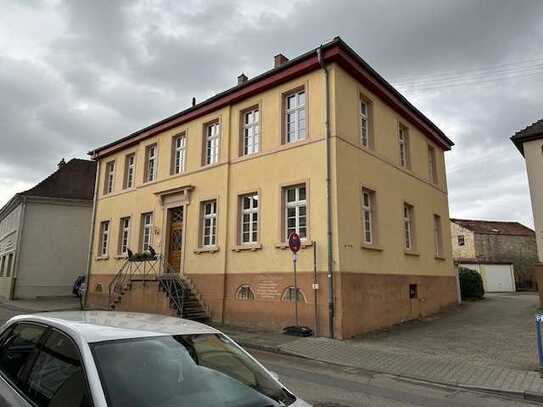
{"x":73,"y":180}
{"x":533,"y":132}
{"x":492,"y":227}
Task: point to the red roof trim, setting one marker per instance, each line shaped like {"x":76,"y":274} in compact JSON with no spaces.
{"x":362,"y":75}
{"x":308,"y":62}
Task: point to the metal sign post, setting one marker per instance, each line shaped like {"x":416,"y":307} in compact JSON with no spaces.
{"x":295,"y":290}
{"x":294,"y":243}
{"x":539,"y":344}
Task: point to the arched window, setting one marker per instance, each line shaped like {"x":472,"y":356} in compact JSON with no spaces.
{"x":289,"y":295}
{"x":245,"y":293}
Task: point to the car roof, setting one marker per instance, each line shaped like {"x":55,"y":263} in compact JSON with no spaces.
{"x":98,"y":326}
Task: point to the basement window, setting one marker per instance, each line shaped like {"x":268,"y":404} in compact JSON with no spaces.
{"x":289,"y":295}
{"x":245,"y":293}
{"x":413,"y":291}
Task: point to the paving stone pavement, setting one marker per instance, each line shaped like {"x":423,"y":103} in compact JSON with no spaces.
{"x":489,"y":344}
{"x":448,"y":372}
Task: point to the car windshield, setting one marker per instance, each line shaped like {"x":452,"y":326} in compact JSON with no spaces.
{"x":184,"y":370}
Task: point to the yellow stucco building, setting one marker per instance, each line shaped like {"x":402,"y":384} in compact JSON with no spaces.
{"x":321,"y":145}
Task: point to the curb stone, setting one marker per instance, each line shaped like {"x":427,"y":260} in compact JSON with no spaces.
{"x":511,"y":394}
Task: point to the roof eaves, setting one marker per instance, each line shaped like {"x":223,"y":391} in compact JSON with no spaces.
{"x":9,"y":206}
{"x":337,"y":41}
{"x":215,"y":97}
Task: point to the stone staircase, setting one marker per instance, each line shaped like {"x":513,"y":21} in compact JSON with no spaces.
{"x":184,"y":298}
{"x":180,"y":294}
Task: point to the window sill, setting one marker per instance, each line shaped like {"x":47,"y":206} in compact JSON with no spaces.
{"x":289,"y":143}
{"x":212,"y":165}
{"x":100,"y":258}
{"x":440,"y":258}
{"x":411,"y":253}
{"x":284,"y":245}
{"x":121,"y":256}
{"x":247,"y":247}
{"x":366,"y":246}
{"x":202,"y":250}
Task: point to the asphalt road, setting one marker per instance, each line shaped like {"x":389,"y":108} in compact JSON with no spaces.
{"x":326,"y":385}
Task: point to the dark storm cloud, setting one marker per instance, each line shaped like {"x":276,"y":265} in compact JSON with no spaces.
{"x":117,"y":66}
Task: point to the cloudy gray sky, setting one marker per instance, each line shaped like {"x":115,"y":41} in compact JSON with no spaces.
{"x":77,"y":74}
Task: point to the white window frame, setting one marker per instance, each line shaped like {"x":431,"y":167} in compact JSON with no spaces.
{"x":209,"y":222}
{"x":298,"y":113}
{"x":110,"y":177}
{"x":124,"y":235}
{"x":364,"y":108}
{"x":103,"y":246}
{"x":253,"y":214}
{"x":212,"y":143}
{"x":251,"y":131}
{"x":438,"y":236}
{"x":297,"y":204}
{"x":151,"y":162}
{"x":408,"y":226}
{"x":146,"y":230}
{"x":368,"y":216}
{"x":130,"y":170}
{"x":179,"y":153}
{"x":403,"y":140}
{"x":432,"y":167}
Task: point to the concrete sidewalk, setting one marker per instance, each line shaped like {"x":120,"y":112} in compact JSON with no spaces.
{"x":522,"y":383}
{"x":44,"y":304}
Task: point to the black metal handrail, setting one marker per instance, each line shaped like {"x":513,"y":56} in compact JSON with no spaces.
{"x":173,"y":285}
{"x":155,"y":268}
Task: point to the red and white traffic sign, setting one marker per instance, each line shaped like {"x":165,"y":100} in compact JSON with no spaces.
{"x":294,"y":242}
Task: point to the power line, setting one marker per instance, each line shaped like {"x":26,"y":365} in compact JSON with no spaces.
{"x":483,"y":75}
{"x":437,"y":75}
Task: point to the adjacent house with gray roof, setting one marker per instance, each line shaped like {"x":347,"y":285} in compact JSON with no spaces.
{"x":503,"y":252}
{"x":45,"y":232}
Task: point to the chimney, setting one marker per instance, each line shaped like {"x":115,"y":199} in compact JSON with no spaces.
{"x":279,"y":60}
{"x":61,"y":163}
{"x":242,"y":79}
{"x":193,"y":101}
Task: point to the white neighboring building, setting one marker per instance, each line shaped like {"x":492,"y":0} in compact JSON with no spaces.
{"x":44,"y":233}
{"x":530,"y":144}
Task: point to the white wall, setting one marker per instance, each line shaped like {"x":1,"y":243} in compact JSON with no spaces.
{"x":534,"y":167}
{"x":54,"y":248}
{"x":9,"y":226}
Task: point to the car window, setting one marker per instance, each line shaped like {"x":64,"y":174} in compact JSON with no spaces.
{"x":57,"y":376}
{"x":204,"y":370}
{"x":19,"y":350}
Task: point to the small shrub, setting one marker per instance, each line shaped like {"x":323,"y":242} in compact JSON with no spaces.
{"x":471,"y":284}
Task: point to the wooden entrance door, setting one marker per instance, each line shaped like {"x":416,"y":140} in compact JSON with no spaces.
{"x":175,"y":243}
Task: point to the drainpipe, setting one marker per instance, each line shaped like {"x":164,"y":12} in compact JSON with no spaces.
{"x":328,"y":197}
{"x":91,"y":242}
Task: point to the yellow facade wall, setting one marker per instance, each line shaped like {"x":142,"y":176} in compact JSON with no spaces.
{"x":218,"y":273}
{"x":277,"y":165}
{"x":378,"y":169}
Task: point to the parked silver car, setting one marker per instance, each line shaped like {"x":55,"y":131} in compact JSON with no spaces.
{"x":117,"y":359}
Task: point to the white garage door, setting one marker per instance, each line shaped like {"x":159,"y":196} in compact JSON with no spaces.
{"x":498,"y":278}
